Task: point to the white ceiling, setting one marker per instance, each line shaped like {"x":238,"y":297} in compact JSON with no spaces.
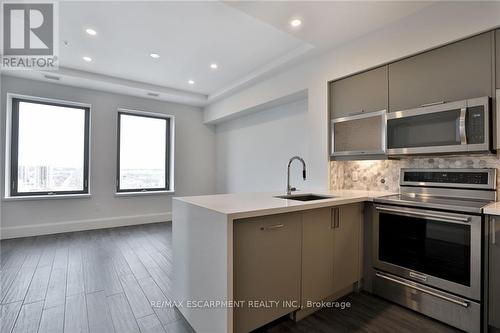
{"x":326,"y":24}
{"x":247,"y":39}
{"x":187,"y":35}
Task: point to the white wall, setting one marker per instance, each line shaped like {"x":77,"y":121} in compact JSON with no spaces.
{"x":252,"y":151}
{"x":194,"y":165}
{"x":436,"y":25}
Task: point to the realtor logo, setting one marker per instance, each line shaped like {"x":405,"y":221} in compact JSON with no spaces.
{"x":29,"y":36}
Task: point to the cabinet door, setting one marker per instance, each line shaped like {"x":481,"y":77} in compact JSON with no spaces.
{"x":347,"y":251}
{"x":364,"y":92}
{"x":450,"y":73}
{"x":317,"y":255}
{"x":497,"y":56}
{"x":494,"y":278}
{"x":267,"y":267}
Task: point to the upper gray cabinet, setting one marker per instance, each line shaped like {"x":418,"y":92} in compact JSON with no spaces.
{"x":497,"y":52}
{"x":453,"y":72}
{"x":364,"y":92}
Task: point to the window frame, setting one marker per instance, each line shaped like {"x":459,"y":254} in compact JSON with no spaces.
{"x":15,"y":100}
{"x":169,"y":184}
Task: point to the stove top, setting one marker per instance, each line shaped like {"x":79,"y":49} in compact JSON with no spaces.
{"x":459,"y":190}
{"x":444,"y":203}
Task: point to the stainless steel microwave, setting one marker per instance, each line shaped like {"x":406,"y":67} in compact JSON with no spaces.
{"x":452,"y":127}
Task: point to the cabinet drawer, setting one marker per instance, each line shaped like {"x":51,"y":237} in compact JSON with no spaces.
{"x":267,"y":267}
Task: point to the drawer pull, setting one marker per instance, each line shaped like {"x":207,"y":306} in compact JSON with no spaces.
{"x":273,"y":227}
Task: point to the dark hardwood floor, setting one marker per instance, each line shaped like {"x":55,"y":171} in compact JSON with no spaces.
{"x":105,"y":280}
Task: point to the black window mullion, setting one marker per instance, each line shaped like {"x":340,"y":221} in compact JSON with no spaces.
{"x":167,"y":155}
{"x":86,"y":151}
{"x":14,"y":153}
{"x":118,"y":174}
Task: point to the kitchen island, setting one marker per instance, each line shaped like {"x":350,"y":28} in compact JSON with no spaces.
{"x":242,"y":260}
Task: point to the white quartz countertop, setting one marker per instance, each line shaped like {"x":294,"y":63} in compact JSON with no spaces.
{"x":492,"y":209}
{"x":242,"y":205}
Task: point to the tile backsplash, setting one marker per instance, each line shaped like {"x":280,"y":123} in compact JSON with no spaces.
{"x":383,"y":175}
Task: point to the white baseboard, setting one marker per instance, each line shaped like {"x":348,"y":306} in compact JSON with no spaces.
{"x":79,"y":225}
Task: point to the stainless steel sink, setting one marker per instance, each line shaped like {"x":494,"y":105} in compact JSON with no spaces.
{"x":305,"y":197}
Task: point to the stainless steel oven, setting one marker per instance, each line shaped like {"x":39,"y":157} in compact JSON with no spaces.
{"x":428,"y":248}
{"x":440,"y":249}
{"x":453,"y":127}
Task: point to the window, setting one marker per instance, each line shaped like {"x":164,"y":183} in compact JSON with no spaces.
{"x":49,"y":148}
{"x":143,"y":152}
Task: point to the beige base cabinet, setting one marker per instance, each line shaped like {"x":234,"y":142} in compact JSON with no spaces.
{"x":294,"y":258}
{"x":317,"y":254}
{"x":331,"y":251}
{"x":347,"y":246}
{"x":267,"y":267}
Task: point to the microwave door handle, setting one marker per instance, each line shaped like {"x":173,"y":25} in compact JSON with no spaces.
{"x":462,"y":130}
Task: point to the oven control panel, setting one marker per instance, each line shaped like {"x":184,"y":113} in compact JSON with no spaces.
{"x":448,"y":177}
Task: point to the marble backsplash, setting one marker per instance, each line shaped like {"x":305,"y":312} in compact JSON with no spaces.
{"x":383,"y":175}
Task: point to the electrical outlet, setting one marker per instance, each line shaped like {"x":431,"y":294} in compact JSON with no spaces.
{"x":355,"y":176}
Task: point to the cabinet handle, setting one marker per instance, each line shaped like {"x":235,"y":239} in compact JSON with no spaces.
{"x":493,"y":231}
{"x":433,"y":103}
{"x":272,"y":227}
{"x":335,"y":218}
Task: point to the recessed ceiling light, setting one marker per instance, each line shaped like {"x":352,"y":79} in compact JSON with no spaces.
{"x":190,"y":81}
{"x":295,"y":23}
{"x":214,"y":65}
{"x":91,"y":32}
{"x":87,"y":59}
{"x":154,"y":55}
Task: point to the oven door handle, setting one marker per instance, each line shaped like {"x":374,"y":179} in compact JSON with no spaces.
{"x":429,"y":292}
{"x":433,"y":216}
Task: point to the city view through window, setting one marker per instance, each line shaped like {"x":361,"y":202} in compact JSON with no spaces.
{"x":143,"y":159}
{"x":51,"y":144}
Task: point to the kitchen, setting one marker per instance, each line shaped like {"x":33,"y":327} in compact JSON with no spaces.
{"x":281,"y":167}
{"x":414,"y":248}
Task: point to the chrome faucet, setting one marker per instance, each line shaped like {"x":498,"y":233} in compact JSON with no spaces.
{"x":289,"y":189}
